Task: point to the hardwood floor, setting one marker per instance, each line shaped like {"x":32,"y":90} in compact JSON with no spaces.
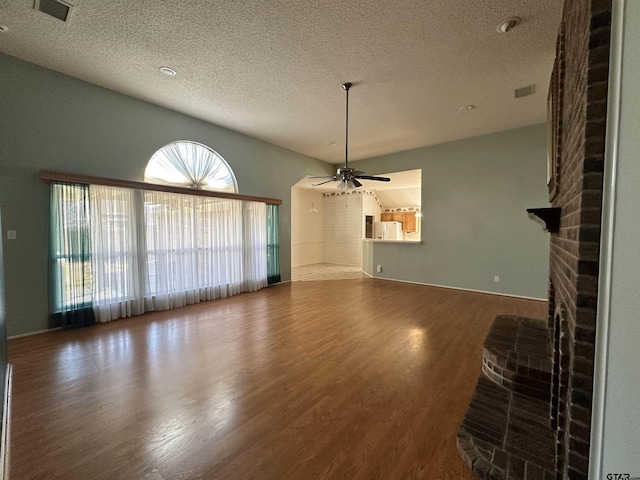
{"x":349,"y":379}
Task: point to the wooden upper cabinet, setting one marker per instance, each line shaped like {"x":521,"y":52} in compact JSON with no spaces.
{"x":409,"y":222}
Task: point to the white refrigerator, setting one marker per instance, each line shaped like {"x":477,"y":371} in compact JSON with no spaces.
{"x":388,"y":231}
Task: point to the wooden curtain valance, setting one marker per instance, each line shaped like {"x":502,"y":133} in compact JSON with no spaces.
{"x":50,"y":176}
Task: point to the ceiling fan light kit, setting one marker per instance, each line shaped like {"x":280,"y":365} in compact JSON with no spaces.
{"x":346,"y":176}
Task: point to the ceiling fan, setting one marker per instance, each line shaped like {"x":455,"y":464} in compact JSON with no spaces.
{"x":348,"y":177}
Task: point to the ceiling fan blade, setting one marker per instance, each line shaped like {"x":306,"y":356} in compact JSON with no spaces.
{"x":322,"y":183}
{"x":356,"y":182}
{"x":323,"y":176}
{"x":369,"y":177}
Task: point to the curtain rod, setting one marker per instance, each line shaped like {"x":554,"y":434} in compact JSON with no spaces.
{"x":51,"y":176}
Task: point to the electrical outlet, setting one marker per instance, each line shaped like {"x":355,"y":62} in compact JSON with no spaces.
{"x":379,"y":268}
{"x":496,"y":279}
{"x":11,"y":235}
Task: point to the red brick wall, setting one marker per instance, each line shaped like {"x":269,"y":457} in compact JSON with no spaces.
{"x":581,"y":95}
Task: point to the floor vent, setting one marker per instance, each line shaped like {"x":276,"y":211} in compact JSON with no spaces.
{"x":525,"y":91}
{"x":55,"y":8}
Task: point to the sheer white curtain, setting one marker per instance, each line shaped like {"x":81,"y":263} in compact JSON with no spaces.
{"x":117,"y":254}
{"x":192,"y":165}
{"x":220,"y":238}
{"x":157,"y":251}
{"x":194,"y":249}
{"x":255,"y":246}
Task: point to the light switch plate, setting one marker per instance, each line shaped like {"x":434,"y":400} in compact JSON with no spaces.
{"x":12,"y":235}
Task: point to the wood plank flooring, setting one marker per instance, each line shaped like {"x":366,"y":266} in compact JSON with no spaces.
{"x":348,"y":379}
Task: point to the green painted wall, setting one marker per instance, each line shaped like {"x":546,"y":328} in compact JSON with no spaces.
{"x":55,"y":122}
{"x":475,"y":193}
{"x":367,"y":257}
{"x":3,"y":330}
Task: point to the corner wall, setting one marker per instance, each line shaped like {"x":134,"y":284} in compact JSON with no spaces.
{"x":3,"y":334}
{"x":621,"y":258}
{"x":475,"y":193}
{"x":306,"y":227}
{"x":56,"y":122}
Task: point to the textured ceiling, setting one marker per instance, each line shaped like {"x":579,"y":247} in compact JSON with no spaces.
{"x":273,"y":69}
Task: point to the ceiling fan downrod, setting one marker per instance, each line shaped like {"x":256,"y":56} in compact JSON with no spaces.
{"x":346,"y":176}
{"x":346,"y":87}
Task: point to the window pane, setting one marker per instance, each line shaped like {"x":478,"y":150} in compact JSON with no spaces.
{"x":190,"y":164}
{"x":71,"y":247}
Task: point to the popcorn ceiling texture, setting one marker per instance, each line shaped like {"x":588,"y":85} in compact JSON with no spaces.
{"x":273,"y":70}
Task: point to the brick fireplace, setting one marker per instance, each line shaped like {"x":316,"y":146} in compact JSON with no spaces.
{"x":580,"y":93}
{"x":579,"y":87}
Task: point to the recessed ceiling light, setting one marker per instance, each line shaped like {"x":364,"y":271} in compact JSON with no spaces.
{"x":168,"y":71}
{"x":333,"y":144}
{"x":466,"y":108}
{"x":508,"y":24}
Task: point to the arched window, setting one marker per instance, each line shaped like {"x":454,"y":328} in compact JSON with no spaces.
{"x":123,"y":248}
{"x":190,"y":164}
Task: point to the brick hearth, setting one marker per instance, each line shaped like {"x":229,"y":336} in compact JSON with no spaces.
{"x":506,"y":432}
{"x":517,"y":355}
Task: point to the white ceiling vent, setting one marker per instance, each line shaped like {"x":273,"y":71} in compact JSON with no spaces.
{"x":55,"y":8}
{"x":524,"y":91}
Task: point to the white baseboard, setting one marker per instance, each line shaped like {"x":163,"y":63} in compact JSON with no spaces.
{"x":37,"y":332}
{"x":465,"y":289}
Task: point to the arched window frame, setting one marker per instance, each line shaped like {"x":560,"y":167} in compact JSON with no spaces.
{"x":188,"y":174}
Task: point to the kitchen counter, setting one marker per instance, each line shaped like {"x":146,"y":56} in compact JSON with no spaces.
{"x":378,"y":240}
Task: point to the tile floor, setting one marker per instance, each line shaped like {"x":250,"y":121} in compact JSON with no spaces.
{"x":325,"y":271}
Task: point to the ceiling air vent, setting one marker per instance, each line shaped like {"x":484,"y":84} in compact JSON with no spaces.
{"x":524,"y":91}
{"x":55,"y":8}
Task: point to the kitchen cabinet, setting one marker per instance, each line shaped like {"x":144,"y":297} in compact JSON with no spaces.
{"x":409,"y":222}
{"x":392,"y":217}
{"x":397,"y":217}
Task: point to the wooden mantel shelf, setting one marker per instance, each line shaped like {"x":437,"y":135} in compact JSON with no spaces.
{"x":549,"y":218}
